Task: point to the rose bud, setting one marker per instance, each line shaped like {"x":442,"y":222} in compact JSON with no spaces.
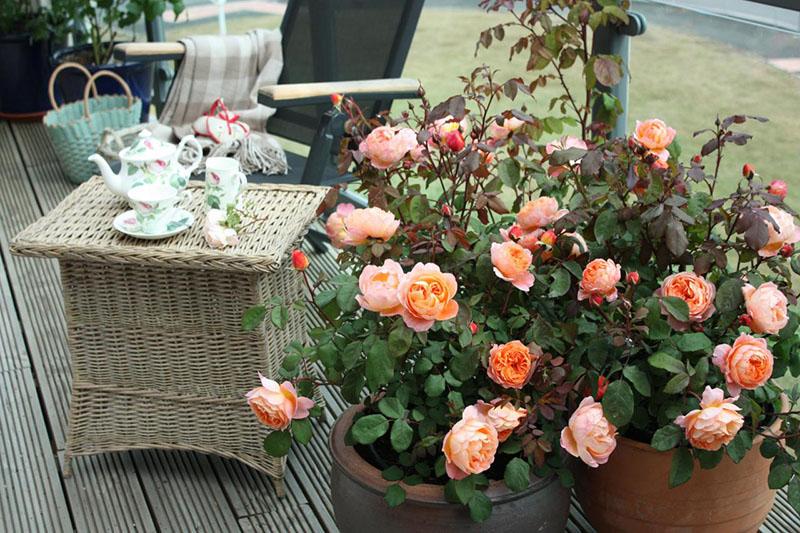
{"x":787,"y":250}
{"x":515,"y":231}
{"x":299,"y":260}
{"x":697,"y":159}
{"x":748,"y":171}
{"x":631,"y":143}
{"x":632,"y":277}
{"x":778,"y":188}
{"x":336,"y":99}
{"x":455,"y":141}
{"x":446,"y":211}
{"x":596,"y":299}
{"x":473,"y":327}
{"x":602,"y":385}
{"x":548,"y":238}
{"x":745,"y":320}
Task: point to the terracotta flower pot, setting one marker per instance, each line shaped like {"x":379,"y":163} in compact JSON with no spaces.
{"x":357,"y":490}
{"x":631,"y":492}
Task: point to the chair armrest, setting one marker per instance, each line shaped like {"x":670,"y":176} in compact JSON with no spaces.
{"x":294,"y":94}
{"x":156,"y":51}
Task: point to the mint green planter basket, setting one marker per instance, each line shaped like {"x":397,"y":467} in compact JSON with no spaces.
{"x":75,"y":129}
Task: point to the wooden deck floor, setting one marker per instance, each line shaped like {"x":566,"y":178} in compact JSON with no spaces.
{"x":131,"y":491}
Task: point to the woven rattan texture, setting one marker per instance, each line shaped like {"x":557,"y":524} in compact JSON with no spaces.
{"x":79,"y":228}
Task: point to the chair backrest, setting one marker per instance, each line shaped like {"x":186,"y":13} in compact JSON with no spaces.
{"x":341,"y":40}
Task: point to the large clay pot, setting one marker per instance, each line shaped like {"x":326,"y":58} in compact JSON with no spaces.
{"x":630,"y":493}
{"x":357,"y":490}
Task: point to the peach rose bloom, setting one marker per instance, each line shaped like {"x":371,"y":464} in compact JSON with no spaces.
{"x":470,"y":445}
{"x":746,"y":365}
{"x":789,"y":233}
{"x":654,"y":135}
{"x":589,"y":435}
{"x":335,"y":227}
{"x":539,"y":212}
{"x":369,"y":223}
{"x":511,"y":364}
{"x":378,"y":286}
{"x":277,"y":405}
{"x":502,"y":414}
{"x":426,"y":295}
{"x":497,"y":132}
{"x":385,"y":146}
{"x":767,"y":307}
{"x":715,"y":424}
{"x":600,"y":278}
{"x":692,"y":289}
{"x":511,"y":263}
{"x":565,"y":142}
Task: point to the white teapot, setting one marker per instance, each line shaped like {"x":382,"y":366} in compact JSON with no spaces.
{"x":149,"y":160}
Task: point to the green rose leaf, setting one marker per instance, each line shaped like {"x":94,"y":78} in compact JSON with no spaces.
{"x":638,"y":378}
{"x":400,"y":339}
{"x":738,"y":447}
{"x":301,"y":430}
{"x":677,"y":384}
{"x":463,"y":489}
{"x":618,"y":403}
{"x":393,"y":473}
{"x":277,"y":443}
{"x":729,"y":295}
{"x":480,"y":507}
{"x":352,"y":384}
{"x":517,"y":474}
{"x":391,"y":407}
{"x":707,"y":459}
{"x":793,"y":494}
{"x":253,"y":317}
{"x":769,"y":448}
{"x":779,"y":475}
{"x":395,"y":495}
{"x":680,"y":470}
{"x":676,"y":307}
{"x":401,"y":435}
{"x":380,"y":366}
{"x":346,"y":296}
{"x":370,"y":428}
{"x":666,"y":438}
{"x":666,"y":362}
{"x":698,"y":379}
{"x":434,"y":385}
{"x":606,"y":225}
{"x":279,"y":316}
{"x":560,"y":284}
{"x":694,"y":342}
{"x":508,"y":172}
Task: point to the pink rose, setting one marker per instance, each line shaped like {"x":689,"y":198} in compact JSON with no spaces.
{"x":335,"y":228}
{"x":427,"y":295}
{"x":715,"y":424}
{"x":215,"y":233}
{"x":496,"y":132}
{"x":277,"y":405}
{"x":511,"y":263}
{"x":385,"y":146}
{"x":470,"y":445}
{"x":654,"y":135}
{"x":502,"y":414}
{"x":565,"y":142}
{"x":692,"y":289}
{"x":787,"y":233}
{"x":369,"y":223}
{"x":600,"y":278}
{"x":589,"y":435}
{"x":378,"y":287}
{"x":539,"y":213}
{"x":767,"y":308}
{"x":746,"y":365}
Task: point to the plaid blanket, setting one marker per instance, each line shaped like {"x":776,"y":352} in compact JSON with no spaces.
{"x":233,"y":67}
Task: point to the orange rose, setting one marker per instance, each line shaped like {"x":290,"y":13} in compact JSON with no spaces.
{"x":277,"y":405}
{"x":511,"y":263}
{"x":539,"y":212}
{"x":426,"y":295}
{"x":511,"y":364}
{"x":600,"y":278}
{"x":766,"y":306}
{"x":654,"y":135}
{"x":692,"y":289}
{"x":715,"y":424}
{"x":746,"y":365}
{"x":787,"y":232}
{"x":470,"y":445}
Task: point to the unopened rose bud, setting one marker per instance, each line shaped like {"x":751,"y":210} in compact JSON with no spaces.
{"x":745,"y":320}
{"x":488,"y":157}
{"x":778,"y":188}
{"x":697,"y":159}
{"x":515,"y":231}
{"x":548,"y":237}
{"x":787,"y":250}
{"x":299,"y":260}
{"x":632,"y":277}
{"x":631,"y":143}
{"x":596,"y":299}
{"x":446,"y":211}
{"x":336,"y":99}
{"x":455,"y":141}
{"x":473,"y":327}
{"x":602,"y":385}
{"x":659,"y":163}
{"x":748,"y":171}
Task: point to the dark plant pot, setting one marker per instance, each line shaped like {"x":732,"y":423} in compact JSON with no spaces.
{"x":70,"y":83}
{"x":630,"y":493}
{"x":357,"y":490}
{"x":24,"y":71}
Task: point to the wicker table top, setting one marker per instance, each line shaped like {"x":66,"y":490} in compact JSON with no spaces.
{"x":79,"y":228}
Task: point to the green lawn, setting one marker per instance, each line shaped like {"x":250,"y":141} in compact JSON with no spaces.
{"x":680,"y":78}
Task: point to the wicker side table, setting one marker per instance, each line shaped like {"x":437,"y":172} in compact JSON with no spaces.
{"x":158,"y":356}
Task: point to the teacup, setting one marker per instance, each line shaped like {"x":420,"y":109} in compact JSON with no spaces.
{"x":224,"y":182}
{"x":154,"y":204}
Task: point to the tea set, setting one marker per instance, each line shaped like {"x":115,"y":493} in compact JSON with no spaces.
{"x":153,"y":181}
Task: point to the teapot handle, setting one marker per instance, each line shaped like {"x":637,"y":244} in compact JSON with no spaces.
{"x":181,"y":145}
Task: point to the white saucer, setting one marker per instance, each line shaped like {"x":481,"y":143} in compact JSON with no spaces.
{"x":126,"y":223}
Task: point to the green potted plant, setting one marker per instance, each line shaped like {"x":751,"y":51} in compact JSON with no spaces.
{"x":104,"y":24}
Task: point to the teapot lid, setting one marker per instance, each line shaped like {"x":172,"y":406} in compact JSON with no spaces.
{"x":147,"y":148}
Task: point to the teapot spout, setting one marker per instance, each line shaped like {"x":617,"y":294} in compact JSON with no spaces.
{"x":113,"y":181}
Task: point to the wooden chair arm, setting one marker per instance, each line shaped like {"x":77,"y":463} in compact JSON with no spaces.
{"x":293,"y":94}
{"x":156,"y":51}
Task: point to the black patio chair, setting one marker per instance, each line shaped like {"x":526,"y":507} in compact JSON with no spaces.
{"x":352,"y":47}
